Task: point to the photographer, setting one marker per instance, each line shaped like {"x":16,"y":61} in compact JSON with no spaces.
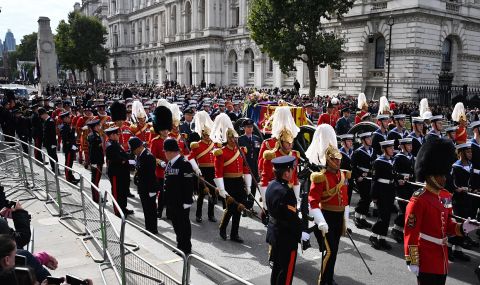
{"x":21,"y":221}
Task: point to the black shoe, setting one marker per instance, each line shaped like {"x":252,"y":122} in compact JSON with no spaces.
{"x":461,"y":256}
{"x":223,"y":234}
{"x":375,"y":243}
{"x":471,"y":242}
{"x":74,"y":181}
{"x":159,"y":215}
{"x":451,"y":258}
{"x":236,"y":239}
{"x":199,"y":219}
{"x":384,"y":244}
{"x":265,"y":218}
{"x":128,"y":212}
{"x":212,"y":219}
{"x":130,"y":195}
{"x":349,"y":230}
{"x":397,"y":236}
{"x":477,"y":272}
{"x":375,"y":213}
{"x":244,"y":214}
{"x":362,"y":223}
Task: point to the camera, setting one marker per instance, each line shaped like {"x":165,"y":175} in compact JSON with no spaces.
{"x":54,"y":280}
{"x":72,"y":280}
{"x":10,"y":204}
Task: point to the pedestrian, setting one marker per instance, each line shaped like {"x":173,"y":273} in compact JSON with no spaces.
{"x":178,"y":193}
{"x":145,"y":181}
{"x":49,"y":137}
{"x":37,"y":133}
{"x":343,"y":124}
{"x":69,"y":143}
{"x":96,"y":156}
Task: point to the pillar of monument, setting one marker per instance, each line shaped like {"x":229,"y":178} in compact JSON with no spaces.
{"x":47,"y":57}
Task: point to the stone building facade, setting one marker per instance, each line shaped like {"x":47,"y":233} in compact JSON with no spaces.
{"x":194,"y":40}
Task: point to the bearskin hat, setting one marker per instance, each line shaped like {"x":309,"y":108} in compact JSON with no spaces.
{"x":118,"y":111}
{"x":127,"y":93}
{"x":435,"y":157}
{"x":162,"y":119}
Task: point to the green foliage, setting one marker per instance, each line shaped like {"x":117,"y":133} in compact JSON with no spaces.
{"x":289,"y":30}
{"x":27,"y":50}
{"x":80,"y":43}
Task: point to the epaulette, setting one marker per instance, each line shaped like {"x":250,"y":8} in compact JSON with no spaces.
{"x":156,"y":138}
{"x":218,"y":152}
{"x":133,"y":126}
{"x":348,"y":174}
{"x":419,"y":192}
{"x":296,"y":153}
{"x":219,"y":145}
{"x":318,"y":177}
{"x":194,"y":145}
{"x":152,"y":130}
{"x":244,"y":149}
{"x":269,"y":154}
{"x":358,"y":113}
{"x":184,"y":136}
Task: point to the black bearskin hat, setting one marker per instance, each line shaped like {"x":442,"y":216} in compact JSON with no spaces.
{"x":118,"y":111}
{"x":127,"y":93}
{"x":162,"y":119}
{"x":9,"y":96}
{"x":435,"y":157}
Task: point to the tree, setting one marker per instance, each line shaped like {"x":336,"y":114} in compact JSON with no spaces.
{"x":80,"y":43}
{"x":289,"y":30}
{"x":27,"y":50}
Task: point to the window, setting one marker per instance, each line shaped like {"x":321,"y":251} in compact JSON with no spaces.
{"x":447,"y":55}
{"x":270,"y":65}
{"x":237,"y":16}
{"x":174,"y":20}
{"x":147,"y":31}
{"x":155,"y":29}
{"x":202,"y":14}
{"x":133,"y":33}
{"x":188,"y":17}
{"x":380,"y":53}
{"x":114,"y":8}
{"x":252,"y":62}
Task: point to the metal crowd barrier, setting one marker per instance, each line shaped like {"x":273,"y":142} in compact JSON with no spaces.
{"x":25,"y":177}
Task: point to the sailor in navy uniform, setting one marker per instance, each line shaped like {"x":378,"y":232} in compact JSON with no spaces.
{"x":475,"y":178}
{"x":346,"y":164}
{"x":417,"y":134}
{"x":450,"y":133}
{"x":437,"y":127}
{"x":403,"y":166}
{"x":362,"y":159}
{"x":462,"y":203}
{"x":399,"y":131}
{"x":380,"y":134}
{"x":383,"y":193}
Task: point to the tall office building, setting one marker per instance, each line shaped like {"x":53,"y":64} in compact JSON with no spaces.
{"x":10,"y":43}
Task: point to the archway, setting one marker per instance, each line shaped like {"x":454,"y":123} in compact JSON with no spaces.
{"x":189,"y":73}
{"x":155,"y":71}
{"x":163,"y":71}
{"x":139,"y":71}
{"x":232,"y":67}
{"x":249,"y":67}
{"x":146,"y":71}
{"x":173,"y":73}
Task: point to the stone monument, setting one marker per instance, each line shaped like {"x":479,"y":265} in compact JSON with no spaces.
{"x":47,"y":57}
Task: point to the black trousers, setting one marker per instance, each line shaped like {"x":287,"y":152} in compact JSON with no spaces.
{"x":120,"y":186}
{"x":208,"y":174}
{"x":363,"y":205}
{"x":350,"y":191}
{"x":431,"y":279}
{"x":182,"y":227}
{"x":283,"y":265}
{"x":235,"y":188}
{"x":96,"y":174}
{"x":330,"y":243}
{"x":149,"y":210}
{"x":38,"y":144}
{"x":26,"y":141}
{"x":52,"y":152}
{"x":462,"y":207}
{"x":69,"y":158}
{"x":160,"y":196}
{"x":385,"y":206}
{"x":404,"y":192}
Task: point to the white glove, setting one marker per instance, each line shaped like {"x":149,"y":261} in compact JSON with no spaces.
{"x":152,"y":194}
{"x":346,"y":216}
{"x":195,"y":167}
{"x":53,"y":146}
{"x":296,"y":190}
{"x":305,"y":236}
{"x":93,"y":165}
{"x":248,"y":182}
{"x":469,"y":225}
{"x":263,"y":190}
{"x":319,"y":220}
{"x":186,"y":206}
{"x":221,"y":187}
{"x":414,"y":269}
{"x":360,"y":179}
{"x":132,"y":162}
{"x":74,"y":148}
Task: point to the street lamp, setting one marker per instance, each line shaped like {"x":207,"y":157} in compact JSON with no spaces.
{"x":390,"y":22}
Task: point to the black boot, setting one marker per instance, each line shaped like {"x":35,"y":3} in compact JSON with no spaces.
{"x":451,"y":258}
{"x":384,"y":244}
{"x":458,"y":254}
{"x":375,"y":243}
{"x":397,"y":235}
{"x":477,"y":272}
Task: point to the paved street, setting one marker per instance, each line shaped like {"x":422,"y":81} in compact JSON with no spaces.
{"x":249,"y":260}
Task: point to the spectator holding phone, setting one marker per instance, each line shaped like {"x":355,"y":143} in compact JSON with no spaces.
{"x":21,"y":221}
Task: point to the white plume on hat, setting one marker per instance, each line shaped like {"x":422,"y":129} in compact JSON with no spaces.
{"x":176,"y":113}
{"x":220,"y":128}
{"x":383,"y":105}
{"x":459,"y":112}
{"x":137,"y":110}
{"x":163,"y":102}
{"x":335,"y":101}
{"x":323,"y":137}
{"x":362,"y":100}
{"x":424,"y":109}
{"x":282,"y":119}
{"x":202,"y":120}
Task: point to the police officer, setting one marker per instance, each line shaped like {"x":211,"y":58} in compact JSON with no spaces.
{"x":49,"y":136}
{"x":178,"y":193}
{"x":69,"y":145}
{"x":95,"y":155}
{"x":252,"y":143}
{"x":383,"y":193}
{"x":145,"y":180}
{"x":37,"y":132}
{"x":284,"y":228}
{"x":362,"y":159}
{"x":403,"y":164}
{"x":343,"y":124}
{"x":118,"y":169}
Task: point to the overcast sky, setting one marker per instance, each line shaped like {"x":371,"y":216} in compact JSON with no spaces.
{"x":21,"y":16}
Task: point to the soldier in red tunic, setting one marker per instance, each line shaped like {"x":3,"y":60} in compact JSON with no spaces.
{"x":331,"y":117}
{"x":460,"y":119}
{"x":328,"y":197}
{"x":427,"y":221}
{"x":174,"y":133}
{"x":83,"y":131}
{"x":232,"y":177}
{"x":140,"y":128}
{"x":363,"y":106}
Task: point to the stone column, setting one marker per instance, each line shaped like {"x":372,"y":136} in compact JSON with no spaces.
{"x":160,"y":27}
{"x":324,"y":78}
{"x":301,"y":75}
{"x":152,"y":31}
{"x":259,"y":72}
{"x":277,"y":75}
{"x":242,"y":71}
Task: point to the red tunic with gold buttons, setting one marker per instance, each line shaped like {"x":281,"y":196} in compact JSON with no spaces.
{"x":202,"y":152}
{"x":427,"y":226}
{"x":267,"y":174}
{"x":181,"y":142}
{"x":358,"y":117}
{"x":125,"y":135}
{"x":329,"y":191}
{"x":461,"y":135}
{"x":326,"y":118}
{"x":267,"y":144}
{"x":141,"y":131}
{"x":156,"y":148}
{"x":229,"y":163}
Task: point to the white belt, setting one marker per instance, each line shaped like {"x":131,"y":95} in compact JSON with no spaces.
{"x":439,"y":241}
{"x":476,"y":171}
{"x":385,"y":181}
{"x":404,"y":174}
{"x":363,"y":169}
